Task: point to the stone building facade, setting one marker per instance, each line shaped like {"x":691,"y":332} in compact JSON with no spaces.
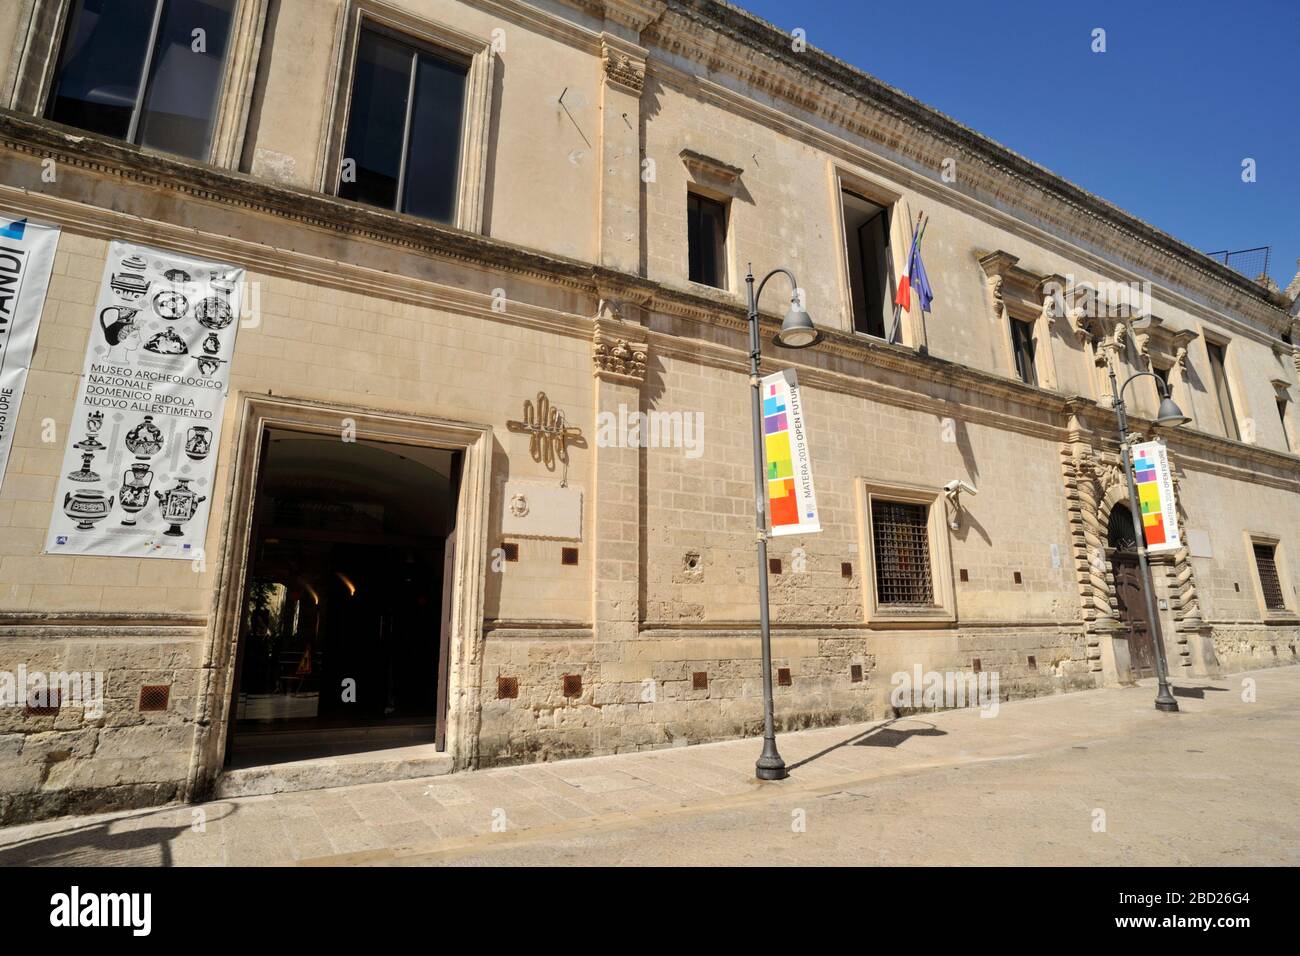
{"x":594,"y":140}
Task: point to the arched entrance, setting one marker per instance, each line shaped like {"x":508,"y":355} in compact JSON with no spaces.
{"x":1121,"y":540}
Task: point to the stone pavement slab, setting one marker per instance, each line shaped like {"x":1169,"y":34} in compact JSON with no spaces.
{"x":1218,"y":782}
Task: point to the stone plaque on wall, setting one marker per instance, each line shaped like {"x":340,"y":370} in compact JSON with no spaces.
{"x":536,"y":509}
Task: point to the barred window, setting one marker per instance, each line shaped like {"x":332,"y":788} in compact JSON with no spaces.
{"x":901,"y":541}
{"x":1269,"y":583}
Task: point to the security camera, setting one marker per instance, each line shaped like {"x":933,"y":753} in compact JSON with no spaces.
{"x":957,"y":485}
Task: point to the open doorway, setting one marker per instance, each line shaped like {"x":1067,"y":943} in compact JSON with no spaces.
{"x":344,"y":629}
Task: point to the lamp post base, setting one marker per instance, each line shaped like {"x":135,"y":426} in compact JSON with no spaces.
{"x":770,"y":766}
{"x":1166,"y":703}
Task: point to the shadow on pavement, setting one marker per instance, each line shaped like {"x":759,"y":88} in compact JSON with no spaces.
{"x":94,"y":845}
{"x":883,"y":735}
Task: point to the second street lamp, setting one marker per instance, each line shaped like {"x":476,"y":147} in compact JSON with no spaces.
{"x":1169,"y":415}
{"x":797,"y":332}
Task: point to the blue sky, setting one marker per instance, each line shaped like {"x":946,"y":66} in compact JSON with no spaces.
{"x":1158,"y":124}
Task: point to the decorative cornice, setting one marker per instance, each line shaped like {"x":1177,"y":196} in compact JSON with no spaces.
{"x":851,"y":356}
{"x":848,"y":97}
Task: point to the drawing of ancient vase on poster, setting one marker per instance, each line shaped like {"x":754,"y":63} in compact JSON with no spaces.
{"x":86,"y":507}
{"x":144,"y":440}
{"x":179,"y":505}
{"x":134,"y":494}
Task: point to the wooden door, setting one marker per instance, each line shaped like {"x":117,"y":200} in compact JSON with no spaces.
{"x":1133,"y":614}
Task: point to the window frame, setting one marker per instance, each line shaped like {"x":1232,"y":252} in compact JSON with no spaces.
{"x":38,"y":61}
{"x":944,"y":610}
{"x":724,"y":259}
{"x":1027,"y":332}
{"x":1221,"y":379}
{"x":1288,"y":612}
{"x":415,"y":49}
{"x":888,"y":287}
{"x":911,"y":332}
{"x":439,"y":41}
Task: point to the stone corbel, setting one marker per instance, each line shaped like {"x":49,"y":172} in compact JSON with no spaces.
{"x":1181,"y":343}
{"x":1051,"y":290}
{"x":996,"y":266}
{"x":624,"y":64}
{"x":614,"y":355}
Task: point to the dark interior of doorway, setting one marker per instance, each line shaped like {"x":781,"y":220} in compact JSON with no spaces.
{"x":342,"y":644}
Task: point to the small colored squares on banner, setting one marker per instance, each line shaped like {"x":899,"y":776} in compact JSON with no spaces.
{"x":785,"y":505}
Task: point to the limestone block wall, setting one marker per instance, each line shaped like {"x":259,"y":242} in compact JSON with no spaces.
{"x":65,"y":762}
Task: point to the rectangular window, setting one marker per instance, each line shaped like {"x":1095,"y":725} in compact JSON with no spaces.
{"x":901,"y":543}
{"x":1219,"y":370}
{"x":1163,"y":375}
{"x":706,"y":228}
{"x":1282,"y":404}
{"x":866,"y":239}
{"x":1022,"y":346}
{"x":148,"y":71}
{"x":1269,"y":583}
{"x":405,"y":120}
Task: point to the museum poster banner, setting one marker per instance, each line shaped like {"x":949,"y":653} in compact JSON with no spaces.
{"x":137,"y":475}
{"x":1155,"y":491}
{"x":26,"y":259}
{"x":791,"y":502}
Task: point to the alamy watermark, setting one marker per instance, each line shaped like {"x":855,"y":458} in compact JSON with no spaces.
{"x":53,"y":689}
{"x":933,"y":690}
{"x":636,"y":429}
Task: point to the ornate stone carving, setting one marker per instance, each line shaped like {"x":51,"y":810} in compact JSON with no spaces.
{"x":622,"y":68}
{"x":616,"y":357}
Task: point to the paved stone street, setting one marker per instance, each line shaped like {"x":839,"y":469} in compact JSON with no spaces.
{"x":1218,"y":783}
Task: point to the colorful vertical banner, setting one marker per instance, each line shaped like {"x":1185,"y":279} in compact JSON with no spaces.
{"x":1155,"y":491}
{"x":26,"y":259}
{"x":138,"y":473}
{"x":791,"y":502}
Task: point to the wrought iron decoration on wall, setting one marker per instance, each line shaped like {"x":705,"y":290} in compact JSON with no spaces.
{"x":549,"y":434}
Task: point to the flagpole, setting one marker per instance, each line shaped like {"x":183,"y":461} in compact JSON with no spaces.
{"x":922,"y":346}
{"x":893,"y":334}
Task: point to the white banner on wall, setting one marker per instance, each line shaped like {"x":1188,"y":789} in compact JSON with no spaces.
{"x":26,"y":258}
{"x":137,"y":475}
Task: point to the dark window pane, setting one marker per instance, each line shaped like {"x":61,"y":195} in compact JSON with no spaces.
{"x":99,"y":69}
{"x":1281,"y":413}
{"x":433,"y":155}
{"x":1022,"y":341}
{"x":866,"y":228}
{"x":706,"y":229}
{"x":181,"y":98}
{"x":377,"y":120}
{"x":1218,"y":368}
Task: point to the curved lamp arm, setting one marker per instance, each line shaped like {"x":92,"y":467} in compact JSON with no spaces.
{"x":794,"y":283}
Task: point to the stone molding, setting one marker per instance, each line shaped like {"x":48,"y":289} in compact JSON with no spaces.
{"x":725,"y":38}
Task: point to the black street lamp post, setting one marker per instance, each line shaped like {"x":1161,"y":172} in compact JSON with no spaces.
{"x":1169,"y":414}
{"x":797,"y":332}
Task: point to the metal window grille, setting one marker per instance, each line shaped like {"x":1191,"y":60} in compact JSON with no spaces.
{"x":900,"y":536}
{"x":1270,"y":584}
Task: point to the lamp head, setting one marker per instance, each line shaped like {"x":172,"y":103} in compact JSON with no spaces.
{"x":797,"y":330}
{"x":1170,"y":414}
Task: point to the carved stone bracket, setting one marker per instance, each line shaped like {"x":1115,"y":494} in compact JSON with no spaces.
{"x":615,"y":356}
{"x":624,"y":64}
